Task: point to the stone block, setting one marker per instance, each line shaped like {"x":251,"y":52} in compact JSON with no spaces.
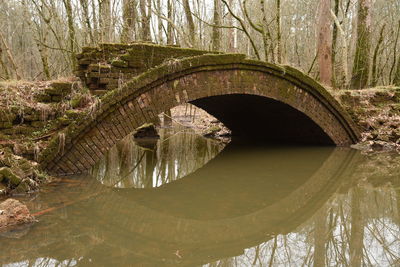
{"x":6,"y":125}
{"x":38,"y":124}
{"x":119,"y":63}
{"x":44,"y":98}
{"x":56,"y":98}
{"x":7,"y":116}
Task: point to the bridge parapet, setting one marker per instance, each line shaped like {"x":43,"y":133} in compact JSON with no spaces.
{"x":109,"y":66}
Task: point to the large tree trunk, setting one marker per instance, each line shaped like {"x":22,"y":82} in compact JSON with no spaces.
{"x":146,"y":15}
{"x":86,"y":18}
{"x":189,"y":19}
{"x":357,"y":229}
{"x":4,"y":66}
{"x":230,"y":32}
{"x":216,"y":34}
{"x":10,"y":56}
{"x":325,"y":42}
{"x":374,"y":75}
{"x":170,"y":33}
{"x":128,"y":15}
{"x":334,"y":44}
{"x":71,"y":32}
{"x":361,"y":60}
{"x":105,"y":20}
{"x":278,"y":30}
{"x":159,"y":24}
{"x":264,"y":31}
{"x":397,"y":75}
{"x":320,"y":238}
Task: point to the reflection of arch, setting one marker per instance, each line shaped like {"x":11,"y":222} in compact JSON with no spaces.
{"x":285,"y":99}
{"x":146,"y":234}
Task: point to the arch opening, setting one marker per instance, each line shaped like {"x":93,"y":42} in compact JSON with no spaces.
{"x":263,"y":119}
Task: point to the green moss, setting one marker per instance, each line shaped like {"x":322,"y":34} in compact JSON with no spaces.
{"x":73,"y":114}
{"x":119,"y":63}
{"x":10,"y":176}
{"x":6,"y":125}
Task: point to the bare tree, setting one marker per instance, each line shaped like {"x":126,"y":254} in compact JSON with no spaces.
{"x":216,"y":34}
{"x":325,"y":43}
{"x":363,"y":43}
{"x":129,"y":15}
{"x":145,"y":10}
{"x":105,"y":20}
{"x":190,"y":22}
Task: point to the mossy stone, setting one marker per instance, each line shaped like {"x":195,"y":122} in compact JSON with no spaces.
{"x":38,"y":124}
{"x":73,"y":114}
{"x":119,"y":63}
{"x":6,"y":125}
{"x":64,"y":121}
{"x":63,"y":87}
{"x":8,"y":174}
{"x":22,"y":187}
{"x":44,"y":98}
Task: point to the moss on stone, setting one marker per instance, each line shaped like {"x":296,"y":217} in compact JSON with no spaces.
{"x":119,"y":63}
{"x":10,"y":176}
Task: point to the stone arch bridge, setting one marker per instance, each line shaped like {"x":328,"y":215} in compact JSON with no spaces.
{"x":276,"y":103}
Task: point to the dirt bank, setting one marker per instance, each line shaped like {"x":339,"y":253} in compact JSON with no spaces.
{"x":377,"y":112}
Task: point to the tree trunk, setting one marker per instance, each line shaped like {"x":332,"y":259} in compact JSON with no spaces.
{"x":264,"y":30}
{"x":231,"y":32}
{"x":393,"y":68}
{"x":86,"y":18}
{"x":4,"y":66}
{"x":128,"y":16}
{"x":325,"y":43}
{"x":334,"y":44}
{"x":159,"y":23}
{"x":278,"y":30}
{"x":146,"y":15}
{"x":397,"y":74}
{"x":10,"y":56}
{"x":361,"y":60}
{"x":320,"y":238}
{"x":357,"y":229}
{"x":105,"y":20}
{"x":216,"y":34}
{"x":374,"y":75}
{"x":71,"y":31}
{"x":189,"y":19}
{"x":170,"y":33}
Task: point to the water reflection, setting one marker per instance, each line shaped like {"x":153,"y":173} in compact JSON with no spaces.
{"x":145,"y":163}
{"x":249,"y":205}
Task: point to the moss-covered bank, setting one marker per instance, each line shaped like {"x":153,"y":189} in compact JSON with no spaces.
{"x":377,"y":112}
{"x":30,"y":114}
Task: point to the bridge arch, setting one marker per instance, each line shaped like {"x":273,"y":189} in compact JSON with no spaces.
{"x":287,"y":101}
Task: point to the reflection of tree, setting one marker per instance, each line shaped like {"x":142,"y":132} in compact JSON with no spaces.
{"x":360,"y":227}
{"x":320,"y":231}
{"x":174,"y":156}
{"x":357,"y":228}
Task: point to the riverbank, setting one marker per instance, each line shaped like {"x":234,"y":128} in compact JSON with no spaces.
{"x":34,"y":112}
{"x":377,"y":112}
{"x":31,"y":113}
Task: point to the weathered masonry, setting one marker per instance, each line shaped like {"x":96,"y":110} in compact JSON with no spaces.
{"x":280,"y":102}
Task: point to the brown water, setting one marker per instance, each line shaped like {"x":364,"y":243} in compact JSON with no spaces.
{"x":189,"y":201}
